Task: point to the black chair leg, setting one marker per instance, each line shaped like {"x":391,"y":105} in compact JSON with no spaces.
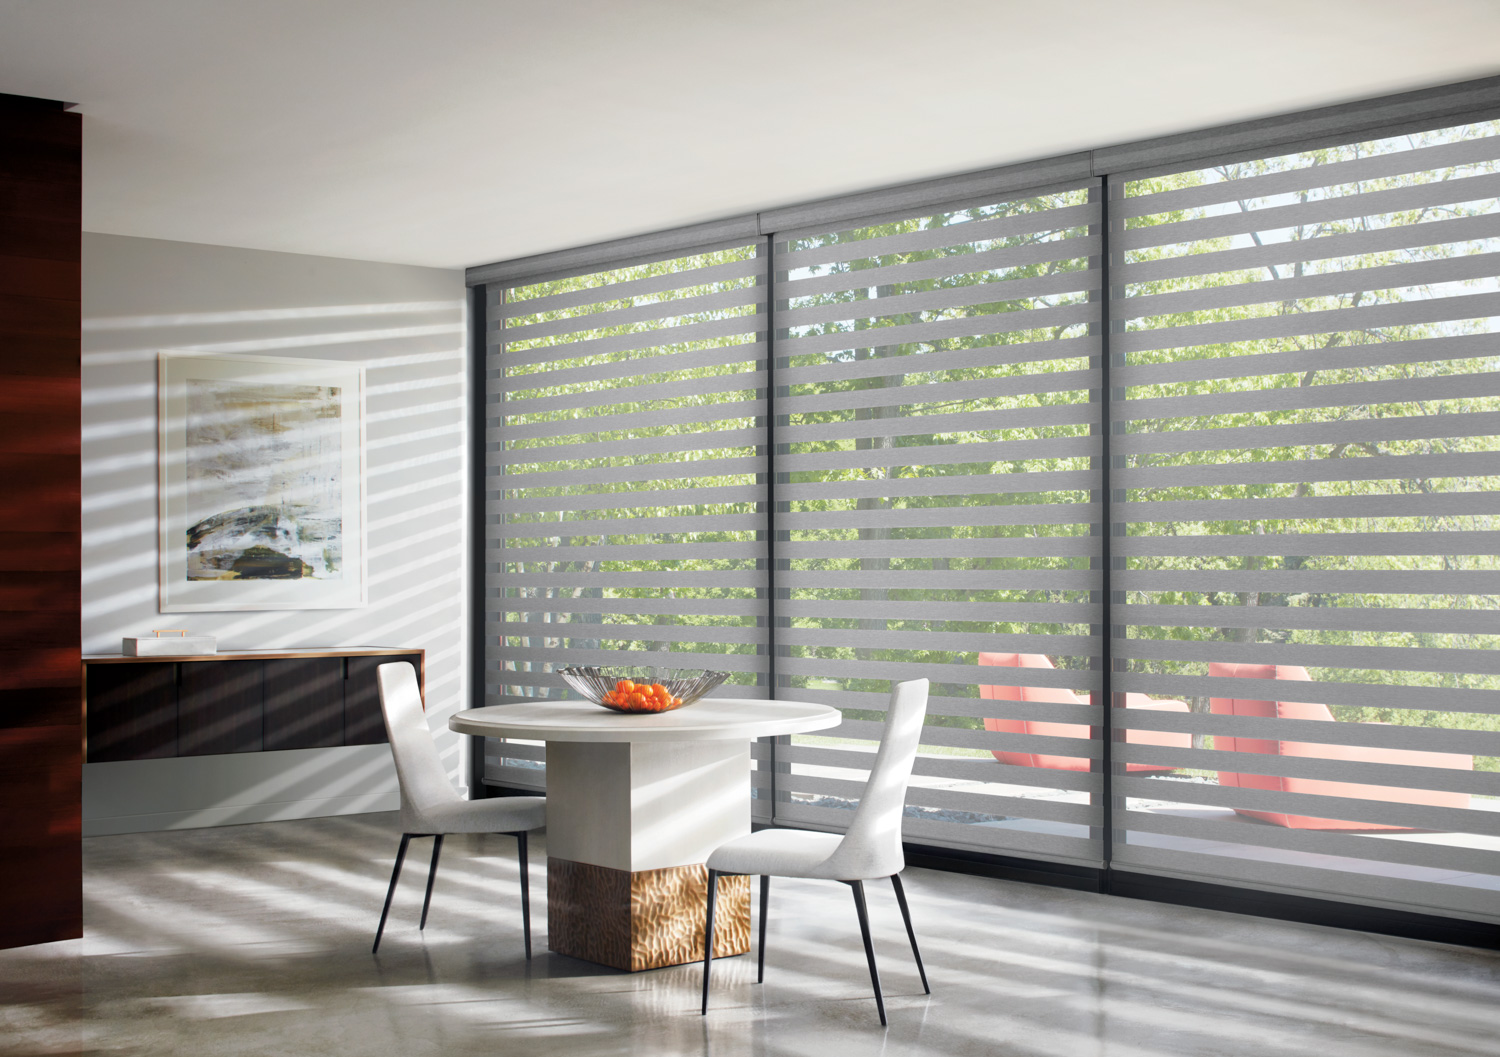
{"x":395,"y":876}
{"x":765,"y":906}
{"x":437,"y":849}
{"x":525,"y":889}
{"x":910,"y":932}
{"x":708,"y":934}
{"x":864,"y":928}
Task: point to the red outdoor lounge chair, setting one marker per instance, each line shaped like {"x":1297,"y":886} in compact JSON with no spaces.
{"x":1234,"y":706}
{"x":1167,"y":739}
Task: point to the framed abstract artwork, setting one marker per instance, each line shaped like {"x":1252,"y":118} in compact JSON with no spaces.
{"x":261,"y":483}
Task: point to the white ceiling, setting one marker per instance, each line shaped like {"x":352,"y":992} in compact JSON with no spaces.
{"x":457,"y":132}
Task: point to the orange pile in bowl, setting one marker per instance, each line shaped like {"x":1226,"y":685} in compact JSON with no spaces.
{"x":641,"y":697}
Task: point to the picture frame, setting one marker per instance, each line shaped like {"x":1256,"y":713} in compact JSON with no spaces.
{"x":261,"y":483}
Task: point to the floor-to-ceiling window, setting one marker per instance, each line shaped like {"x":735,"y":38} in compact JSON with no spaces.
{"x":936,"y":483}
{"x":1308,"y":355}
{"x":1213,"y":443}
{"x":626,"y":484}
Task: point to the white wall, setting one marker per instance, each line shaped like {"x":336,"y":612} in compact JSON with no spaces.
{"x":407,"y":325}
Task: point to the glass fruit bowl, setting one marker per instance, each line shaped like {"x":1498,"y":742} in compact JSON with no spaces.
{"x":641,"y":689}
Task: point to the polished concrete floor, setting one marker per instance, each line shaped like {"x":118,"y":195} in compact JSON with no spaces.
{"x":256,"y":940}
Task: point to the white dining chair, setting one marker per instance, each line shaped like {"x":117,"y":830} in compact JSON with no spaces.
{"x":430,"y":806}
{"x":870,"y":849}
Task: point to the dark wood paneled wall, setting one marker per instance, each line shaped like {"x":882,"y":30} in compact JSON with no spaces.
{"x":41,"y":736}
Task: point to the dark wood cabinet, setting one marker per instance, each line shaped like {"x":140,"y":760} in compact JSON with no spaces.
{"x":132,"y":712}
{"x":304,"y":703}
{"x":363,"y":723}
{"x":221,"y":708}
{"x":142,"y":708}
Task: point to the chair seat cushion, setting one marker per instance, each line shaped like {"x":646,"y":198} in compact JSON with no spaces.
{"x":778,"y":852}
{"x":501,"y":814}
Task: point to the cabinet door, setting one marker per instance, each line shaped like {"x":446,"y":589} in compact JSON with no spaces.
{"x":304,"y":703}
{"x":132,"y":711}
{"x":220,"y":707}
{"x":363,"y":722}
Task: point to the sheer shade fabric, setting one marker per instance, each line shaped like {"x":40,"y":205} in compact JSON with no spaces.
{"x":1308,"y":392}
{"x":625,"y":489}
{"x":936,"y":476}
{"x":877,"y":446}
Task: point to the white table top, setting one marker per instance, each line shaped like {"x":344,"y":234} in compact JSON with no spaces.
{"x":712,"y":719}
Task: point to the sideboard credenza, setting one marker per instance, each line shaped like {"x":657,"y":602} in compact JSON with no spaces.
{"x":143,"y":708}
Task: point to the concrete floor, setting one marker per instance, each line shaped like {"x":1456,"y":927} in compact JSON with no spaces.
{"x":256,"y":940}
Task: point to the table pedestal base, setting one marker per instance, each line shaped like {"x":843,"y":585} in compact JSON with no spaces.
{"x":629,"y":826}
{"x":643,"y":919}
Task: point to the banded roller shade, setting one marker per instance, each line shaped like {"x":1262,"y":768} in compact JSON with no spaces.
{"x":1308,"y":394}
{"x":626,"y":483}
{"x":936,"y":470}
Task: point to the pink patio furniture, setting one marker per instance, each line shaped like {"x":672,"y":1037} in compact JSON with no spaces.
{"x":1050,"y":695}
{"x":1234,"y":706}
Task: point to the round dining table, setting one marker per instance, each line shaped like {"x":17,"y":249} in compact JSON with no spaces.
{"x":635,"y":805}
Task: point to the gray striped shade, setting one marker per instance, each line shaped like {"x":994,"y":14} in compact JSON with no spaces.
{"x":1218,"y":437}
